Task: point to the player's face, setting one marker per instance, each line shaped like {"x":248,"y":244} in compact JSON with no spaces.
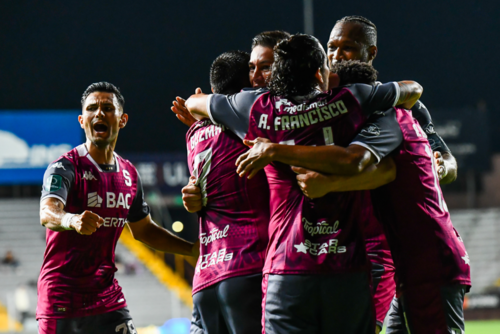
{"x":346,"y":43}
{"x":102,"y":118}
{"x":260,"y":63}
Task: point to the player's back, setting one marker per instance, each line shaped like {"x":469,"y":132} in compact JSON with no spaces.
{"x":77,"y":274}
{"x":424,"y":244}
{"x":311,"y":236}
{"x":235,"y":215}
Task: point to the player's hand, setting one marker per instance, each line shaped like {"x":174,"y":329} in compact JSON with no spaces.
{"x":86,"y":223}
{"x":182,"y":114}
{"x":258,"y":157}
{"x":196,"y":249}
{"x":191,"y":196}
{"x":440,"y":165}
{"x":312,"y":184}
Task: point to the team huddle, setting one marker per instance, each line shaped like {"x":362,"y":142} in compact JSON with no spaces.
{"x":317,"y":190}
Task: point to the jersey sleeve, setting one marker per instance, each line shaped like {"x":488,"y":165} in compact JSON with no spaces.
{"x":381,"y":135}
{"x":232,"y":111}
{"x":58,"y":180}
{"x":139,"y":208}
{"x":423,"y":116}
{"x":377,"y":97}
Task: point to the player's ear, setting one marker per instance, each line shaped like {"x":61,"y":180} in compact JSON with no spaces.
{"x":212,"y":89}
{"x":80,"y":120}
{"x":372,"y":53}
{"x":123,"y":120}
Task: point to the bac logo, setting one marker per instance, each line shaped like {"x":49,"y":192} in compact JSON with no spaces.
{"x":112,"y":200}
{"x":121,"y":202}
{"x":94,"y":200}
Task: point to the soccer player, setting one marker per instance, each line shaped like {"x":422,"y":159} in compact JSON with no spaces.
{"x":432,"y":265}
{"x":88,"y":196}
{"x":314,"y":244}
{"x":234,"y":218}
{"x":355,"y":38}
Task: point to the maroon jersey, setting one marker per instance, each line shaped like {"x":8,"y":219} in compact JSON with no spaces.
{"x":307,"y":236}
{"x":235,"y":215}
{"x":77,"y":274}
{"x":425,"y":246}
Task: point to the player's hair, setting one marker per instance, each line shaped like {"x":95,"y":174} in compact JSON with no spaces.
{"x":354,"y":71}
{"x":229,"y":72}
{"x":369,"y":28}
{"x":269,"y":39}
{"x":296,"y":61}
{"x":106,"y":87}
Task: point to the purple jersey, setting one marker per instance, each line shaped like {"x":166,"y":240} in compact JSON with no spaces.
{"x":424,"y":244}
{"x":77,"y":274}
{"x":307,"y":236}
{"x":235,"y":215}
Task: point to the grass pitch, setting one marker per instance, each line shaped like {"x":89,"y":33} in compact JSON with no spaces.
{"x":480,"y":327}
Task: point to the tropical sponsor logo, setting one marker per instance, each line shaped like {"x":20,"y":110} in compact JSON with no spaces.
{"x":94,"y":200}
{"x":212,"y":259}
{"x":53,"y":183}
{"x":214,"y":234}
{"x":87,"y":175}
{"x":320,"y":248}
{"x":321,"y":227}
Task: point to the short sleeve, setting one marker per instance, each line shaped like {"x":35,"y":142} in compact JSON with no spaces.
{"x":381,"y":135}
{"x":233,"y":111}
{"x":377,"y":97}
{"x":139,"y":208}
{"x":423,"y":116}
{"x":58,"y":180}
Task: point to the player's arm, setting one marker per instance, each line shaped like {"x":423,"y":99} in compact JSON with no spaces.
{"x":197,"y":105}
{"x":53,"y":217}
{"x":58,"y":181}
{"x":146,"y":231}
{"x":314,"y":184}
{"x":445,"y":162}
{"x":367,"y":149}
{"x":409,"y":93}
{"x":181,"y":112}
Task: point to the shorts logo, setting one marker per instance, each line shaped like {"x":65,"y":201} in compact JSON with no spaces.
{"x":88,"y":176}
{"x":94,"y":200}
{"x":53,"y":183}
{"x":57,"y":165}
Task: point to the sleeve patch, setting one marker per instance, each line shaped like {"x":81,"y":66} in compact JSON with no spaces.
{"x":53,"y":183}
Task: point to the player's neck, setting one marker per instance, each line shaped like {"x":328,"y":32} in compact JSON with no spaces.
{"x":101,"y":155}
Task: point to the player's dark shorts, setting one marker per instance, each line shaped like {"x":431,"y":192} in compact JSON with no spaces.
{"x":384,"y":289}
{"x":313,"y":304}
{"x":230,"y":306}
{"x":113,"y":322}
{"x":431,"y":310}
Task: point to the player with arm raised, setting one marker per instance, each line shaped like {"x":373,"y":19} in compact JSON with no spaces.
{"x":89,"y":194}
{"x":430,"y":258}
{"x":260,"y":63}
{"x":233,"y":221}
{"x":314,"y":244}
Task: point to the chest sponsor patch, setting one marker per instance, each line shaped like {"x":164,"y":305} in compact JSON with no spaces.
{"x":53,"y":183}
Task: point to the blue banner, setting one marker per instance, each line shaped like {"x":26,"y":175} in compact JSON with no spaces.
{"x":31,"y":140}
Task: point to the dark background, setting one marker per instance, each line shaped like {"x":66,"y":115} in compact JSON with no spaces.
{"x":50,"y":51}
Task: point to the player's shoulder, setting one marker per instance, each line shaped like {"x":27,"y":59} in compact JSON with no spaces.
{"x":197,"y":126}
{"x":65,"y":161}
{"x":125,"y":164}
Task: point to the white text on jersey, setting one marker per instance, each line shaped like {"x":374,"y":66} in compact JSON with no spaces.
{"x":205,"y":133}
{"x":112,"y":202}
